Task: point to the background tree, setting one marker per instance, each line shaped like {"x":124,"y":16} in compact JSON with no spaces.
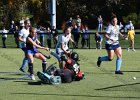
{"x":88,"y":10}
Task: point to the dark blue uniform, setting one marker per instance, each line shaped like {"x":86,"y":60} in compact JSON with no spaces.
{"x":30,"y":48}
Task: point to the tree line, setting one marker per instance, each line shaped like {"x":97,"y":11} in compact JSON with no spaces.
{"x":38,"y":12}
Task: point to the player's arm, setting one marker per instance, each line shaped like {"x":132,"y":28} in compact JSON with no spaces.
{"x":20,"y":38}
{"x":29,"y":40}
{"x":107,"y":37}
{"x":108,"y":30}
{"x":72,"y":41}
{"x":20,"y":35}
{"x":38,"y":42}
{"x":62,"y":47}
{"x":125,"y":37}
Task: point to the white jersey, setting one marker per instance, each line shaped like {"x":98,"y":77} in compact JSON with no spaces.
{"x":113,"y":32}
{"x":24,"y":34}
{"x":63,"y":39}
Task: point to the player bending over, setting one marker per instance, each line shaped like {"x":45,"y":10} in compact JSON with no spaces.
{"x":62,"y":45}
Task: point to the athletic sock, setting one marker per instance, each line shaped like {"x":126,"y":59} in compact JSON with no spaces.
{"x":44,"y":63}
{"x":118,"y":64}
{"x":105,"y":58}
{"x":31,"y":68}
{"x":24,"y":63}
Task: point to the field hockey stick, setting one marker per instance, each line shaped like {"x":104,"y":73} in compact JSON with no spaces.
{"x":48,"y":57}
{"x":54,"y":55}
{"x":122,"y":39}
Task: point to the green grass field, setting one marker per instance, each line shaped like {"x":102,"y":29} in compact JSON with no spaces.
{"x":99,"y":83}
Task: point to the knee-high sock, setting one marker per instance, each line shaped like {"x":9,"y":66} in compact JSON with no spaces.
{"x":24,"y":63}
{"x":31,"y":68}
{"x":118,"y":64}
{"x":44,"y":66}
{"x":105,"y":58}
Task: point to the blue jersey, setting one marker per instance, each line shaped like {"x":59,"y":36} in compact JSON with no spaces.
{"x":29,"y":46}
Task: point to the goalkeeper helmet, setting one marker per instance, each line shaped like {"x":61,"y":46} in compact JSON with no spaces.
{"x":75,"y":56}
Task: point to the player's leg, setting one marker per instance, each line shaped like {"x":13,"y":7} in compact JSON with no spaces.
{"x":101,"y":27}
{"x":59,"y":60}
{"x":106,"y":58}
{"x":133,"y":44}
{"x":98,"y":27}
{"x":118,"y":53}
{"x":110,"y":56}
{"x":100,"y":45}
{"x":24,"y":61}
{"x":96,"y":45}
{"x":3,"y":40}
{"x":43,"y":58}
{"x":30,"y":57}
{"x":130,"y":45}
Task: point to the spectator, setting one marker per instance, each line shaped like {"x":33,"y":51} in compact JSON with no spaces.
{"x":16,"y":36}
{"x":98,"y":40}
{"x":21,"y":23}
{"x":78,"y":26}
{"x":75,"y":35}
{"x":49,"y":37}
{"x":85,"y":37}
{"x":131,"y":34}
{"x":121,"y":27}
{"x":13,"y":27}
{"x":100,"y":23}
{"x":78,"y":22}
{"x":128,"y":26}
{"x":70,"y":22}
{"x":41,"y":32}
{"x":54,"y":32}
{"x":4,"y":37}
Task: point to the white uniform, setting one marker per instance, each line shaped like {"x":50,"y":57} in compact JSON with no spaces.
{"x":62,"y":39}
{"x":24,"y":34}
{"x":113,"y":32}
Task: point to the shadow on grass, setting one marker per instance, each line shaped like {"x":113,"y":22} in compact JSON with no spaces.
{"x":7,"y":78}
{"x":132,"y":71}
{"x":106,"y":88}
{"x":82,"y":95}
{"x":98,"y":73}
{"x":13,"y":73}
{"x":35,"y":83}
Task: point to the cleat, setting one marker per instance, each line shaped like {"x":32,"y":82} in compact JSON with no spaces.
{"x":32,"y":77}
{"x":133,"y":50}
{"x":22,"y":70}
{"x":119,"y":72}
{"x":99,"y":62}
